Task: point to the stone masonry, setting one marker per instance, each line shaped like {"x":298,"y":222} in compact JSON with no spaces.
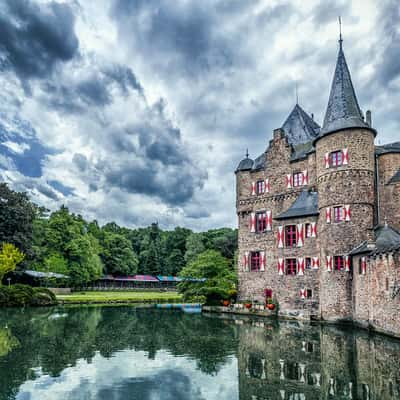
{"x":318,"y":214}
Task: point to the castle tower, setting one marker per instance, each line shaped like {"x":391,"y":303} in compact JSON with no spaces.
{"x":345,"y":166}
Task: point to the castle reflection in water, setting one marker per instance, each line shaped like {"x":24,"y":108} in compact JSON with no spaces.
{"x":295,"y":361}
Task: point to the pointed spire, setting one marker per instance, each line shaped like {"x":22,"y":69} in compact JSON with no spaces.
{"x":343,"y":110}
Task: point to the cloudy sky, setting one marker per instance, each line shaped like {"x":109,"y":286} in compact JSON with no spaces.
{"x":140,"y":110}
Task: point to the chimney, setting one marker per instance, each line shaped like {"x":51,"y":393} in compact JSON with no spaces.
{"x":369,"y":118}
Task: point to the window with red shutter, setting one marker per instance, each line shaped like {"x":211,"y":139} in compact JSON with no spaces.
{"x":260,"y":187}
{"x":255,"y":261}
{"x":297,"y":179}
{"x":268,"y":293}
{"x":338,"y":263}
{"x":290,"y":236}
{"x":291,"y":266}
{"x":336,"y":158}
{"x":338,"y":214}
{"x":261,"y":222}
{"x":308,"y":263}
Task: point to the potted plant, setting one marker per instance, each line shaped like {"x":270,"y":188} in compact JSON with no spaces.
{"x":247,"y":304}
{"x":226,"y":303}
{"x":270,"y":304}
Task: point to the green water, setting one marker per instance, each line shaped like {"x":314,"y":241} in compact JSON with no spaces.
{"x":119,"y":353}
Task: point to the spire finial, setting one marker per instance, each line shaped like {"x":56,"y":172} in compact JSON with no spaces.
{"x":297,"y":94}
{"x":340,"y":32}
{"x":247,"y":153}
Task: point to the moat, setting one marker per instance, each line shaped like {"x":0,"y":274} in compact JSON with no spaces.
{"x":117,"y":353}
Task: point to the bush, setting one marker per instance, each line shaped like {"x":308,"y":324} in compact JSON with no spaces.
{"x":43,"y":297}
{"x":24,"y":295}
{"x":197,"y":299}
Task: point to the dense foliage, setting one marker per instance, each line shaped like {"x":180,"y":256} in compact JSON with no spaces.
{"x":25,"y":295}
{"x":10,"y":257}
{"x":66,"y":243}
{"x":220,"y":280}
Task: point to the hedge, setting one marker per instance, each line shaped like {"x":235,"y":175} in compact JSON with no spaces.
{"x":24,"y":295}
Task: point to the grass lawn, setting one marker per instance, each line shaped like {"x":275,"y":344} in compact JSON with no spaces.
{"x":120,"y":297}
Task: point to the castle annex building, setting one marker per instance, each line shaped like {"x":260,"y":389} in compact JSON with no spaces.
{"x":319,"y":216}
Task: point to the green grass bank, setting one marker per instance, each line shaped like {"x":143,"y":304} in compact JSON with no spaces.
{"x":119,"y":297}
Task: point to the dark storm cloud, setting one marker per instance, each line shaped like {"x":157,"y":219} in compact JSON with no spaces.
{"x":388,"y":67}
{"x":33,"y":38}
{"x":80,"y":161}
{"x":176,"y":35}
{"x":94,"y":90}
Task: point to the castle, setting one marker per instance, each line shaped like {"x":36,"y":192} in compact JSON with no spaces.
{"x":319,"y":214}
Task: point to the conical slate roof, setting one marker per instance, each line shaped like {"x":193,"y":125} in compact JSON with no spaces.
{"x":299,"y":127}
{"x":343,"y":110}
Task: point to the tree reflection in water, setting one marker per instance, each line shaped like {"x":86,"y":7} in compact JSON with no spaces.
{"x":284,"y":361}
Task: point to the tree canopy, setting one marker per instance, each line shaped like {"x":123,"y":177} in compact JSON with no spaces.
{"x":64,"y":242}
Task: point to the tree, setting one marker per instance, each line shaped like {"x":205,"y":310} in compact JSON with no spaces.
{"x":174,"y":263}
{"x":10,"y":257}
{"x":117,"y":255}
{"x":16,"y":217}
{"x":194,"y":246}
{"x":220,"y":280}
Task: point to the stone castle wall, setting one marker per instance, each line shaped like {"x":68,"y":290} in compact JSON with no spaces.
{"x":336,"y":295}
{"x":351,"y":184}
{"x":389,"y":193}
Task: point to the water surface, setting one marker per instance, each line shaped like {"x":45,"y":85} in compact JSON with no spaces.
{"x":119,"y":353}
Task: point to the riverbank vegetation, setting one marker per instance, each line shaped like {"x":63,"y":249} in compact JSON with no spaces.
{"x":25,"y":295}
{"x":65,"y":243}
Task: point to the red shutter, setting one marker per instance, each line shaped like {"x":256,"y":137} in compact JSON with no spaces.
{"x":347,"y":215}
{"x":268,"y":220}
{"x":347,"y":263}
{"x":267,"y":185}
{"x":327,"y":160}
{"x":328,"y":215}
{"x":363,"y":265}
{"x":313,"y":229}
{"x":315,"y":262}
{"x":329,"y":263}
{"x":300,"y":235}
{"x":262,"y":261}
{"x":253,"y":188}
{"x":305,"y":177}
{"x":345,"y":156}
{"x":303,"y":293}
{"x":246,"y":261}
{"x":280,"y":237}
{"x":300,"y":266}
{"x":289,"y":181}
{"x":281,"y":266}
{"x":252,"y":222}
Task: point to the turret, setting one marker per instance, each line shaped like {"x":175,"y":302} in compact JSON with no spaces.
{"x":345,"y":165}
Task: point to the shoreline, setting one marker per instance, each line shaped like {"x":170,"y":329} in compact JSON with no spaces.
{"x":284,"y":317}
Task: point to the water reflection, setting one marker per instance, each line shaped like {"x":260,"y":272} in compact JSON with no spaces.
{"x":127,"y":353}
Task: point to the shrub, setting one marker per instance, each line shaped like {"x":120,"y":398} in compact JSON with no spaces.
{"x":43,"y":297}
{"x":197,"y":299}
{"x":24,"y":295}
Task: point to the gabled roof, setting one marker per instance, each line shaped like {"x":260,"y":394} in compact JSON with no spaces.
{"x":305,"y":205}
{"x":386,"y":239}
{"x":299,"y":127}
{"x":343,"y":110}
{"x":388,"y":148}
{"x":395,"y":178}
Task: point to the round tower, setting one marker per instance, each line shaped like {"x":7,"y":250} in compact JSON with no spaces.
{"x":346,"y":196}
